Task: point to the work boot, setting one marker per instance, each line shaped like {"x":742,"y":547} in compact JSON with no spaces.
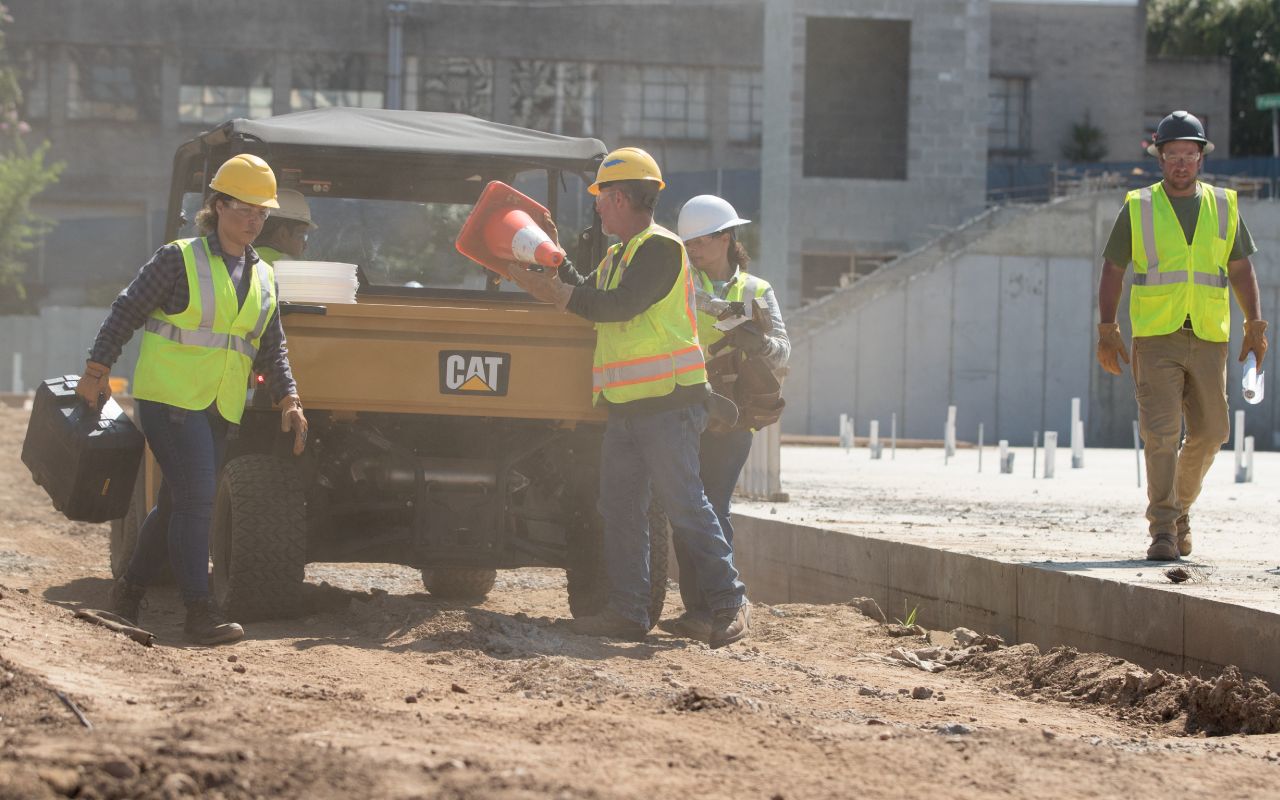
{"x":609,"y":624}
{"x":729,"y":625}
{"x":125,"y":599}
{"x":1184,"y":536}
{"x":206,"y":625}
{"x":1164,"y":547}
{"x":689,"y":625}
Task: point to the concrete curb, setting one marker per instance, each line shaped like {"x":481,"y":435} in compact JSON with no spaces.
{"x":787,"y":563}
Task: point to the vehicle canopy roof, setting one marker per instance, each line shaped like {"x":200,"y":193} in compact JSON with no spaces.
{"x":383,"y":153}
{"x":426,"y":133}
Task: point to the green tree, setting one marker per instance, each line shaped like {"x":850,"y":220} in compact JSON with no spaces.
{"x":1085,"y":145}
{"x":24,"y":173}
{"x":1247,"y":32}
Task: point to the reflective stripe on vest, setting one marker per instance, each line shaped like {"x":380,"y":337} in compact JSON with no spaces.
{"x":626,"y":373}
{"x":204,"y":335}
{"x":1174,"y":279}
{"x":652,"y":353}
{"x":204,"y":354}
{"x":1166,"y":278}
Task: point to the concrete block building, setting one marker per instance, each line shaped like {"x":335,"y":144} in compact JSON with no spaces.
{"x":856,"y":133}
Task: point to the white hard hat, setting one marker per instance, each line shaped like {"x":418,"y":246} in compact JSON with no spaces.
{"x":706,"y":214}
{"x":293,"y":206}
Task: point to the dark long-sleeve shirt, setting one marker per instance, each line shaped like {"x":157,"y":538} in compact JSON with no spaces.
{"x":647,"y":279}
{"x":162,"y":284}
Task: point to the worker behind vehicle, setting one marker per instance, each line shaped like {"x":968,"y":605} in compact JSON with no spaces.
{"x":284,"y":234}
{"x":1187,"y":243}
{"x":750,"y":353}
{"x":207,"y":306}
{"x":650,"y":375}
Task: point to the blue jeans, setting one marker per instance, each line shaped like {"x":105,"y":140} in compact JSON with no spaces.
{"x":647,"y":454}
{"x":721,"y":459}
{"x":189,"y":445}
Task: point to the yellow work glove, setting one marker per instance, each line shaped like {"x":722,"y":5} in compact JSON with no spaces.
{"x":1111,"y":347}
{"x":95,"y":383}
{"x":292,"y":419}
{"x":1255,"y":339}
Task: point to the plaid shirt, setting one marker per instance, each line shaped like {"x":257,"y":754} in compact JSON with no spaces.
{"x":162,"y":284}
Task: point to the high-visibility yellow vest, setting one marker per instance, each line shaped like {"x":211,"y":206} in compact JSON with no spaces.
{"x":650,"y":354}
{"x":205,"y":353}
{"x":739,"y":286}
{"x":271,"y":255}
{"x":1173,"y":279}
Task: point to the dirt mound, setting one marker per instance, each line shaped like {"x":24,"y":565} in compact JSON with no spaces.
{"x":176,"y":764}
{"x":1227,"y":704}
{"x":695,"y":699}
{"x":25,"y":699}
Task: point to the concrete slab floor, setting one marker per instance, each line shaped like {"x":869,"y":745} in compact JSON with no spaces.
{"x":1087,"y":521}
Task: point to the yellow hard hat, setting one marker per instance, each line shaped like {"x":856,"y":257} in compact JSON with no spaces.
{"x":627,"y":164}
{"x":246,"y":178}
{"x":293,"y":205}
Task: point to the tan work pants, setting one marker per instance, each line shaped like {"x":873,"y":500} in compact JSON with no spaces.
{"x":1180,"y":379}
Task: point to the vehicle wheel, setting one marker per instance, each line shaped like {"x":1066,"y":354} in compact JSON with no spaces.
{"x":588,"y":579}
{"x":259,"y":539}
{"x":124,"y":532}
{"x":459,"y":583}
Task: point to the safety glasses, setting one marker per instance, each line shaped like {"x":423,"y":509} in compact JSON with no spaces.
{"x":247,"y":210}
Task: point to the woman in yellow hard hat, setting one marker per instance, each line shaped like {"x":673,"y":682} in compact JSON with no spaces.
{"x":208,"y":309}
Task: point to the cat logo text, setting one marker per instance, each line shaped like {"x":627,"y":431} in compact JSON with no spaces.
{"x":474,"y":372}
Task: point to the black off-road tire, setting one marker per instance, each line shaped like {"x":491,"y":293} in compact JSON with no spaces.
{"x":588,"y":578}
{"x":124,"y":532}
{"x":259,"y":539}
{"x":461,"y":584}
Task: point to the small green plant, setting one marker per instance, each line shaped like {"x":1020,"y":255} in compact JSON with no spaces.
{"x":911,"y":616}
{"x":1086,"y":143}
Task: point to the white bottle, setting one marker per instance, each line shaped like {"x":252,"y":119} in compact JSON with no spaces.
{"x":1253,"y":383}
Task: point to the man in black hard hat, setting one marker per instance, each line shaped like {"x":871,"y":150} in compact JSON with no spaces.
{"x":1187,"y":244}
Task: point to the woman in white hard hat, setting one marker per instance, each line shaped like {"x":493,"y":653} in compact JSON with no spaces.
{"x":207,"y":306}
{"x":709,"y":226}
{"x":284,"y":234}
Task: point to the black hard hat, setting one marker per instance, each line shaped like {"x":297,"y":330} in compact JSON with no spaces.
{"x":1179,"y":126}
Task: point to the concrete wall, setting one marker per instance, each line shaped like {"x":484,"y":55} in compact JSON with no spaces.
{"x":997,"y":318}
{"x":56,"y":342}
{"x":787,"y":563}
{"x":947,"y":119}
{"x":1199,"y":85}
{"x":1079,"y":58}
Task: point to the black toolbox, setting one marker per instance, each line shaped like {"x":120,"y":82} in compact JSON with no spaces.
{"x":86,"y":461}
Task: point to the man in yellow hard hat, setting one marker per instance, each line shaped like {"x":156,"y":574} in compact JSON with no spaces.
{"x":650,"y":375}
{"x":284,"y":234}
{"x":1187,"y":244}
{"x":207,"y":306}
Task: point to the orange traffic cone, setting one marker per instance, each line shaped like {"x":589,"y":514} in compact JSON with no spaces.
{"x":501,"y":230}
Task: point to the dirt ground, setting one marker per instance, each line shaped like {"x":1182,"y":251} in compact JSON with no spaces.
{"x":383,"y":691}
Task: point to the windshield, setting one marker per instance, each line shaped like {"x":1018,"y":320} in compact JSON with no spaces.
{"x":401,"y":246}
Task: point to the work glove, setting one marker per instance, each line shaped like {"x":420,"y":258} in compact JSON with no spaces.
{"x":1110,"y":347}
{"x":549,"y":226}
{"x":95,"y":383}
{"x":292,"y":419}
{"x":747,"y":339}
{"x":1255,"y":339}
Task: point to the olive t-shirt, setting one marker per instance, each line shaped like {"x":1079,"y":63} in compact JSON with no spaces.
{"x":1119,"y":249}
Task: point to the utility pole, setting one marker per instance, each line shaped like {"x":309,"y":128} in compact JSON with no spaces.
{"x":395,"y":54}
